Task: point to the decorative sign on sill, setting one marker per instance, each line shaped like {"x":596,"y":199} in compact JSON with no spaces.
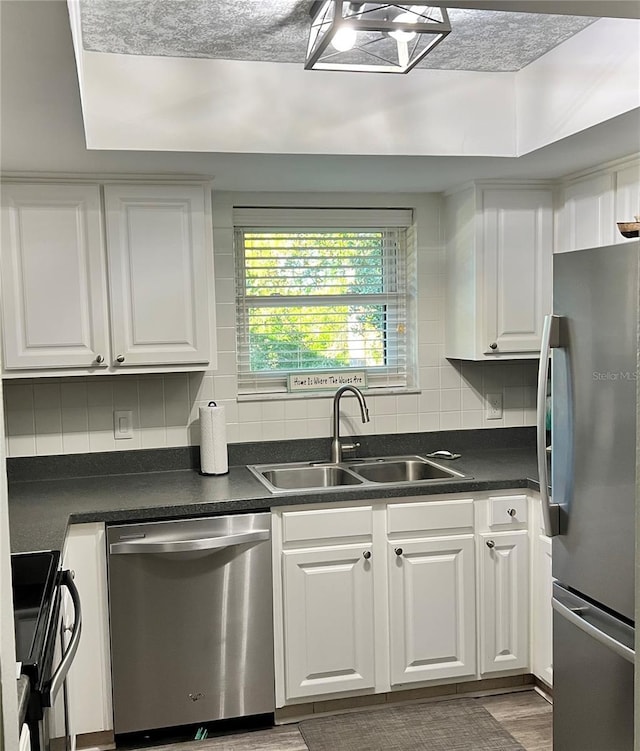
{"x":327,"y":381}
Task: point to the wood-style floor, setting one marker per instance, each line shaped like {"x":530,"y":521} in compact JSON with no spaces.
{"x":526,"y":715}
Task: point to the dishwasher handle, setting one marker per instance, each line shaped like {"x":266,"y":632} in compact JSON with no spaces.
{"x":188,"y":546}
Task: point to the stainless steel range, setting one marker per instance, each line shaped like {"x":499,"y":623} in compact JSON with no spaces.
{"x":37,"y":582}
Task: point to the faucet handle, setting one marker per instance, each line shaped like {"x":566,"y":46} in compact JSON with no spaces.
{"x":350,"y":446}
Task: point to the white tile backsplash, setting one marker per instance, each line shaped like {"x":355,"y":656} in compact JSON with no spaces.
{"x":75,"y":415}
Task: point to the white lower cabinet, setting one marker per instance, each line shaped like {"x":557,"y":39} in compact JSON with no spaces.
{"x":503,"y":565}
{"x":431,"y":609}
{"x":328,"y":620}
{"x":542,"y":615}
{"x":88,"y":682}
{"x":371,"y":598}
{"x":25,"y":739}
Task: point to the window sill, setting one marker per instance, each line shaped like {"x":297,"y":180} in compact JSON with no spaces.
{"x":286,"y":396}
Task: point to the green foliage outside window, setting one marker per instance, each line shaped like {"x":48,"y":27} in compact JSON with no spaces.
{"x":320,"y":275}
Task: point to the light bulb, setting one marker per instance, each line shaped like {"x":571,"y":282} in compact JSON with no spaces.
{"x":344,"y":39}
{"x":401,"y":35}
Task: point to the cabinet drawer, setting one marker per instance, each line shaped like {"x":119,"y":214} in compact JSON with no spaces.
{"x":327,"y":524}
{"x":508,"y":511}
{"x":430,"y":516}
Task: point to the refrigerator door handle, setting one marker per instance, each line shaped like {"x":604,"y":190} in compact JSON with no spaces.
{"x":550,"y":340}
{"x":573,"y":615}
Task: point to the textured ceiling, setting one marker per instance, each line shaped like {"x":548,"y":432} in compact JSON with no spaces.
{"x":277,"y":31}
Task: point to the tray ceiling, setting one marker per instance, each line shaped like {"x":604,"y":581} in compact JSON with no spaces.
{"x":277,"y":31}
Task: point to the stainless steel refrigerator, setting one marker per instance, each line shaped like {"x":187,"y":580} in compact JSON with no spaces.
{"x":593,"y":339}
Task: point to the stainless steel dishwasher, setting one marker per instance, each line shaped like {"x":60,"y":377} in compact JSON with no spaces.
{"x":190,"y":606}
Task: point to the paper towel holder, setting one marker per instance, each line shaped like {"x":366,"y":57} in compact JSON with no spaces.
{"x":212,"y":403}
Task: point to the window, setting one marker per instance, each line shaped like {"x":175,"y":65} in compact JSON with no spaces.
{"x":320,"y":290}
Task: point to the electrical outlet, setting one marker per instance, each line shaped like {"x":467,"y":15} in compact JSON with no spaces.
{"x":493,"y":408}
{"x":122,"y":424}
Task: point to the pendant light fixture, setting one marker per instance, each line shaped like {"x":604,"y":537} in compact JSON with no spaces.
{"x":373,"y":37}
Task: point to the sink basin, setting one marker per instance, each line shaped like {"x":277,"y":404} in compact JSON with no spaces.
{"x":307,"y":477}
{"x":404,"y":470}
{"x":387,"y":470}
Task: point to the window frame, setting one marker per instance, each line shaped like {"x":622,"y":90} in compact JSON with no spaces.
{"x":395,"y":376}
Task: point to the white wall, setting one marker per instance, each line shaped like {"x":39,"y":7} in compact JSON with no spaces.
{"x":590,"y":78}
{"x":75,"y":415}
{"x":188,"y":104}
{"x":134,"y":102}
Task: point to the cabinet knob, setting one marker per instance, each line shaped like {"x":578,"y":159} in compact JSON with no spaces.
{"x":120,"y":358}
{"x":99,"y":359}
{"x":398,"y":551}
{"x":366,"y":555}
{"x":511,"y":511}
{"x":493,"y":345}
{"x":491,"y":544}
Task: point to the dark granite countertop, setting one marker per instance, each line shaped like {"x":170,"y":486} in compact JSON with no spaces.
{"x":39,"y":510}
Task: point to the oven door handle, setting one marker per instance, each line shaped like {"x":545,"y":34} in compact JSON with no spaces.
{"x":70,"y":652}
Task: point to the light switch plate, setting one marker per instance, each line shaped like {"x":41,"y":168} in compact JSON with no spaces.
{"x":493,"y":408}
{"x":122,"y":424}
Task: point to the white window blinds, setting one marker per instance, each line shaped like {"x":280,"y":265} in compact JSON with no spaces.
{"x":319,"y":290}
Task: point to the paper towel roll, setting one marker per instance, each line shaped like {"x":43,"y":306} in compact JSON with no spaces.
{"x":214,"y":459}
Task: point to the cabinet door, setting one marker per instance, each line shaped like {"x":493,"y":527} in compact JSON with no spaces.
{"x":53,"y":277}
{"x":518,"y":246}
{"x":542,"y":616}
{"x":328,"y":620}
{"x":504,"y":601}
{"x":157,"y":249}
{"x":89,"y":679}
{"x":586,"y":219}
{"x":627,"y":196}
{"x":432,"y":609}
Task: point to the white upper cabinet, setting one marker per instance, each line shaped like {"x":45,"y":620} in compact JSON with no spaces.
{"x":156,"y":249}
{"x":54,"y":307}
{"x":74,"y":304}
{"x":499,"y":249}
{"x":586,"y":217}
{"x":589,"y":205}
{"x":627,"y":196}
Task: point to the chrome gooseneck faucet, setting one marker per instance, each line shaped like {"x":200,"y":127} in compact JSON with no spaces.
{"x":336,"y":446}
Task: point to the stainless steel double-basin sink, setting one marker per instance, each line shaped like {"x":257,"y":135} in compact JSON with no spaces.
{"x":354,"y":473}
